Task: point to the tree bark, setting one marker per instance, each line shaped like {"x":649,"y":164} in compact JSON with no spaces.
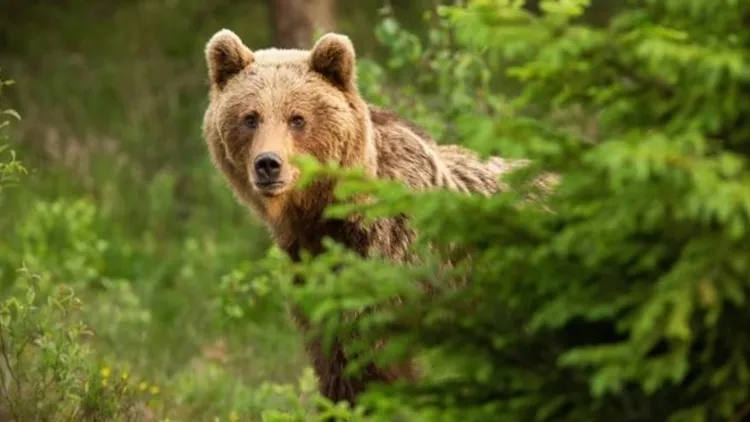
{"x":296,"y":21}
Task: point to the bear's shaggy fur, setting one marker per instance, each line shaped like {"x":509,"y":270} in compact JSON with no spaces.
{"x":287,"y":102}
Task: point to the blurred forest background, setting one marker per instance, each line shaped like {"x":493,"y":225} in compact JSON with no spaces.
{"x":121,"y":203}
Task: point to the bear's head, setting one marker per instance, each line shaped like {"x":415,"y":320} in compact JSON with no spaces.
{"x":266,"y":106}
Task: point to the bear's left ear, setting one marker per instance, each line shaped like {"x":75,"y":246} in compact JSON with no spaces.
{"x":333,"y":57}
{"x":226,"y":56}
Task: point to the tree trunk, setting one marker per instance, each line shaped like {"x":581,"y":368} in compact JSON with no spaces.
{"x":296,"y":21}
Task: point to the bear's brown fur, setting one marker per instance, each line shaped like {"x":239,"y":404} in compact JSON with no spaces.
{"x":287,"y":102}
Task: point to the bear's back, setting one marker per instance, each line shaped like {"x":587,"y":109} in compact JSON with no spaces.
{"x":407,"y":153}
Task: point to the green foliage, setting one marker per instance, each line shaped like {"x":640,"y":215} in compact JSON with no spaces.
{"x":45,"y":372}
{"x":426,"y":78}
{"x":619,"y":296}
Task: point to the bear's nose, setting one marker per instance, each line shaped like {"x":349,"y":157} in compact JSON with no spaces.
{"x":267,"y":167}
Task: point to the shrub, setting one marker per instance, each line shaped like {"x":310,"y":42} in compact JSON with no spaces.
{"x":47,"y":370}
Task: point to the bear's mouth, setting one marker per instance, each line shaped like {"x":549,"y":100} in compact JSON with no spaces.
{"x":271,"y":188}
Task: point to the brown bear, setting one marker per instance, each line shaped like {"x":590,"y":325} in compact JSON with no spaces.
{"x":267,"y":106}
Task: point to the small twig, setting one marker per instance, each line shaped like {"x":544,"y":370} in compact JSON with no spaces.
{"x":4,"y":351}
{"x":6,"y":359}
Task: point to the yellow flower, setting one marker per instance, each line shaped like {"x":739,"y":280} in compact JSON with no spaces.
{"x":154,"y":390}
{"x":105,"y":372}
{"x":233,"y":417}
{"x":124,"y":376}
{"x":143,"y":385}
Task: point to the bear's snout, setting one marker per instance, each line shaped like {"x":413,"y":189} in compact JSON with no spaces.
{"x":267,"y":168}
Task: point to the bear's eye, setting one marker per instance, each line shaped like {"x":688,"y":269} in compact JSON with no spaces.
{"x":297,"y":122}
{"x":252,"y":120}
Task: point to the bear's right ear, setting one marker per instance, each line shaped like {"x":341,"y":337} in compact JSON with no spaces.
{"x":226,"y":56}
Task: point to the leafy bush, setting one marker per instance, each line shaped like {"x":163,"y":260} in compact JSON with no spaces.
{"x":47,"y":371}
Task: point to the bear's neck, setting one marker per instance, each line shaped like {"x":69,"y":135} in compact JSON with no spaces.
{"x":351,"y":234}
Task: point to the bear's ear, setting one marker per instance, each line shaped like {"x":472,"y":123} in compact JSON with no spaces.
{"x":333,"y":57}
{"x":226,"y":56}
